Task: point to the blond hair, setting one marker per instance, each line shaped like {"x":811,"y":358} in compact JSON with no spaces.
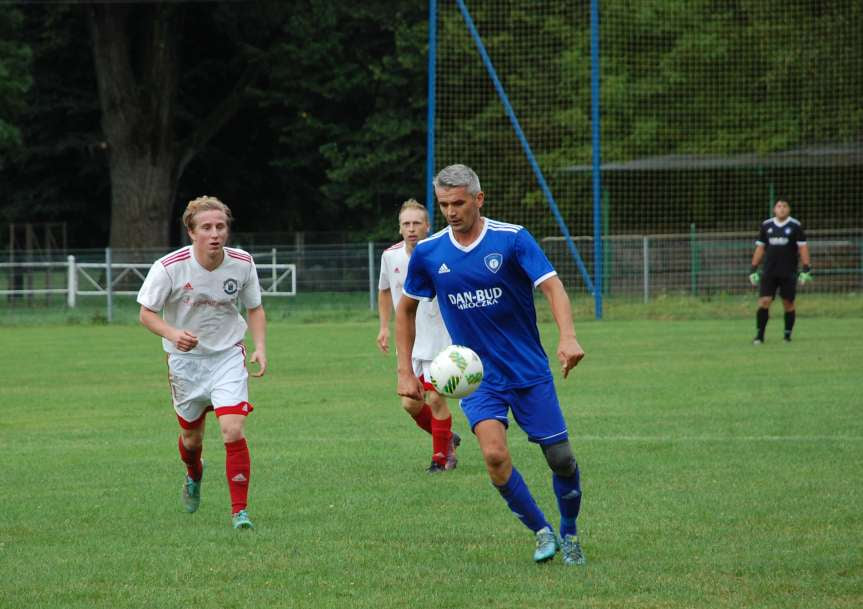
{"x":413,"y":204}
{"x":204,"y":203}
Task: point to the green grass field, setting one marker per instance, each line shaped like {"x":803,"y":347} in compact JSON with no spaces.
{"x":716,"y":474}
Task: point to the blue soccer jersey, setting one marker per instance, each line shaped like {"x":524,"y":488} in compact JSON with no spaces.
{"x":485,"y":292}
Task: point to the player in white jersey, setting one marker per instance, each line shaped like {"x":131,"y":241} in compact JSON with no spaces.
{"x":484,"y":274}
{"x":431,"y":413}
{"x":199,"y":289}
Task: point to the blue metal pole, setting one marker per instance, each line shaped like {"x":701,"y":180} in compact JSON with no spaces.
{"x":430,"y":120}
{"x":524,"y":144}
{"x":597,"y":158}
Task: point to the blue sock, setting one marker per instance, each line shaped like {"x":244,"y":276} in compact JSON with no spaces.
{"x":521,"y":502}
{"x":568,"y":493}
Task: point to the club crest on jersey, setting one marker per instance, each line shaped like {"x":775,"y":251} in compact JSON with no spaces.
{"x":493,"y":262}
{"x":230,"y":286}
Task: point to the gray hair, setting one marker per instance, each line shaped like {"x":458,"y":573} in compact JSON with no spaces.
{"x":456,"y":176}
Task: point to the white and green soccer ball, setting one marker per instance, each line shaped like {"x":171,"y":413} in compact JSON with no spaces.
{"x":456,"y":372}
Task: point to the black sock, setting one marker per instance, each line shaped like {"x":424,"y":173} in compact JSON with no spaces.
{"x":762,"y":316}
{"x":789,"y":323}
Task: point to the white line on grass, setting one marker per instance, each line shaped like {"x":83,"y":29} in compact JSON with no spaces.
{"x":580,"y":438}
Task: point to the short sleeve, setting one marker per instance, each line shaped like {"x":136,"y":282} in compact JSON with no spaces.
{"x":418,"y":284}
{"x":762,"y":235}
{"x":384,"y":279}
{"x":532,"y":259}
{"x":801,"y":237}
{"x":250,"y":295}
{"x":156,"y":288}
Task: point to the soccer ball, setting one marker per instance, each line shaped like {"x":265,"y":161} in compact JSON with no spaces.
{"x":456,"y":372}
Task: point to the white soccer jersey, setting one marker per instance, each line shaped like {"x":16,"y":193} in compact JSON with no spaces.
{"x":206,"y":303}
{"x":431,"y":334}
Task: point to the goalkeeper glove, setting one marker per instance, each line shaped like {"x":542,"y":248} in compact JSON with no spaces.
{"x":754,"y":278}
{"x":805,"y":276}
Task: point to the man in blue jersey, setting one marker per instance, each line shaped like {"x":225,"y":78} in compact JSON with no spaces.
{"x":483,"y":273}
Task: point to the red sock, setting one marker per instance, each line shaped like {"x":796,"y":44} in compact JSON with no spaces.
{"x":441,"y":435}
{"x":237,"y":469}
{"x":424,"y":418}
{"x":192,"y":459}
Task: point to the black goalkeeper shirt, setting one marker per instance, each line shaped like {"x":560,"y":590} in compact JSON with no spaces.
{"x":780,"y":241}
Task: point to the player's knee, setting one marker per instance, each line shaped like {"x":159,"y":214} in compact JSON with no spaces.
{"x":231,"y":428}
{"x":412,"y":407}
{"x":560,"y":459}
{"x":495,"y":456}
{"x":193,"y":438}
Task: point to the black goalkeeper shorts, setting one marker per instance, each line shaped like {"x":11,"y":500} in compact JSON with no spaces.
{"x":786,"y":284}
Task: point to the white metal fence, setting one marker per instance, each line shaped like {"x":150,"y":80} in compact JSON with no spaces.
{"x":75,"y":278}
{"x":637,"y":267}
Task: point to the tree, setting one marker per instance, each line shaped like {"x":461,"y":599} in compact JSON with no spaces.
{"x":15,"y":79}
{"x":137,"y":56}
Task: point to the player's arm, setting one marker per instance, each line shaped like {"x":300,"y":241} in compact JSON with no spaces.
{"x":406,"y":314}
{"x":804,"y":256}
{"x":757,"y":256}
{"x":569,"y":352}
{"x":385,"y":307}
{"x":258,"y":329}
{"x":185,"y":340}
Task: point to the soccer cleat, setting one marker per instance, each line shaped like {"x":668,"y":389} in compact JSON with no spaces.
{"x":787,"y":338}
{"x":435,"y":468}
{"x":757,"y":341}
{"x":241,"y":520}
{"x":192,"y":492}
{"x":571,"y":551}
{"x":547,"y":545}
{"x":451,"y":458}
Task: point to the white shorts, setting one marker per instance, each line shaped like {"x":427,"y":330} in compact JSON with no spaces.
{"x":422,"y":370}
{"x":217,"y":382}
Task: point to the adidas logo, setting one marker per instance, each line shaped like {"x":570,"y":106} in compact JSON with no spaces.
{"x":443,"y":269}
{"x":245,"y":408}
{"x":397,"y":270}
{"x":239,"y":478}
{"x":188,"y":286}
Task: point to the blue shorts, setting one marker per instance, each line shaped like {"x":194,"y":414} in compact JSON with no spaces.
{"x":536,"y":409}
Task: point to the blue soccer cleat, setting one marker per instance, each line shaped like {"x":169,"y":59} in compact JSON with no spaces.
{"x":241,"y":520}
{"x":192,"y":492}
{"x":547,"y":545}
{"x":572,"y":552}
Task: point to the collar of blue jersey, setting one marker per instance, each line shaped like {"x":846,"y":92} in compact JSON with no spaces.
{"x":476,"y":242}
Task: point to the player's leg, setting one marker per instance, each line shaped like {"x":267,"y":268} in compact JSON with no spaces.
{"x":766,"y":292}
{"x":491,"y":435}
{"x":566,"y":481}
{"x":237,"y":466}
{"x":486,"y":412}
{"x":191,"y":405}
{"x":230,"y":400}
{"x":190,"y":444}
{"x":443,"y":440}
{"x":788,"y":291}
{"x":537,"y":411}
{"x":420,"y":412}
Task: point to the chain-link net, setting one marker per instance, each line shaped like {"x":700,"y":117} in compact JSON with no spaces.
{"x":710,"y":112}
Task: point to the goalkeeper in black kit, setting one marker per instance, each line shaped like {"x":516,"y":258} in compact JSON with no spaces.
{"x":780,"y":240}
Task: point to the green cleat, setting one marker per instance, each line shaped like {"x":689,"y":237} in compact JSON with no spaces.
{"x":572,"y":552}
{"x":192,"y":492}
{"x":241,"y":520}
{"x":547,"y":545}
